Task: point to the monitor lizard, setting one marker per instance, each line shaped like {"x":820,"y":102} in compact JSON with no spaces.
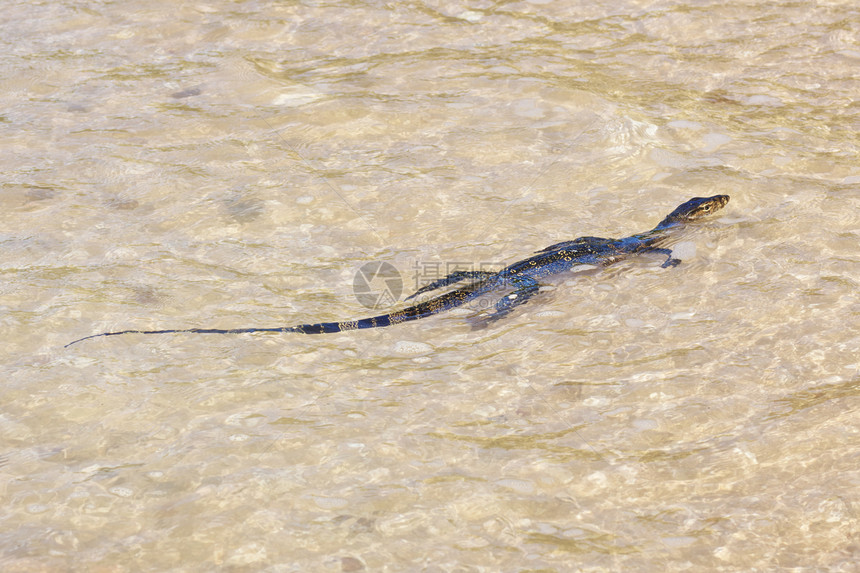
{"x":520,"y":278}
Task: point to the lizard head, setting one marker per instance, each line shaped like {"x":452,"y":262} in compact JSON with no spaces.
{"x":696,"y":208}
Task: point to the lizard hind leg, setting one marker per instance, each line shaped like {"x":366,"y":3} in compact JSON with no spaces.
{"x":454,"y":277}
{"x":526,"y":288}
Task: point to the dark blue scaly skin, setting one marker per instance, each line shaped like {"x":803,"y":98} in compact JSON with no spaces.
{"x":521,"y":277}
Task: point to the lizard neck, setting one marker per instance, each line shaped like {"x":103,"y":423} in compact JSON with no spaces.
{"x":641,"y":241}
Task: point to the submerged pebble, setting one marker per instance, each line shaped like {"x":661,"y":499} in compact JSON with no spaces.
{"x":411,"y":347}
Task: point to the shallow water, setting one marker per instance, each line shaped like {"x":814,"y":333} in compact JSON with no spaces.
{"x":235,"y":164}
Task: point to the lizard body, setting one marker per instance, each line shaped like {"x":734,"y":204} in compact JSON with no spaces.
{"x":521,"y":277}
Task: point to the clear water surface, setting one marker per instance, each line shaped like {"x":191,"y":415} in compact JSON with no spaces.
{"x":230,"y":164}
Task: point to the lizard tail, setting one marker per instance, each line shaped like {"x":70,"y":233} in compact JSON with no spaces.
{"x":191,"y":330}
{"x":433,"y":306}
{"x":406,"y":315}
{"x":318,"y":328}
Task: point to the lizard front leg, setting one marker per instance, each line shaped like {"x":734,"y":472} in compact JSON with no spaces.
{"x":670,"y":262}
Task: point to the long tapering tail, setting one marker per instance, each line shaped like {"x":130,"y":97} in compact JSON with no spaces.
{"x":190,"y":330}
{"x":433,"y":306}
